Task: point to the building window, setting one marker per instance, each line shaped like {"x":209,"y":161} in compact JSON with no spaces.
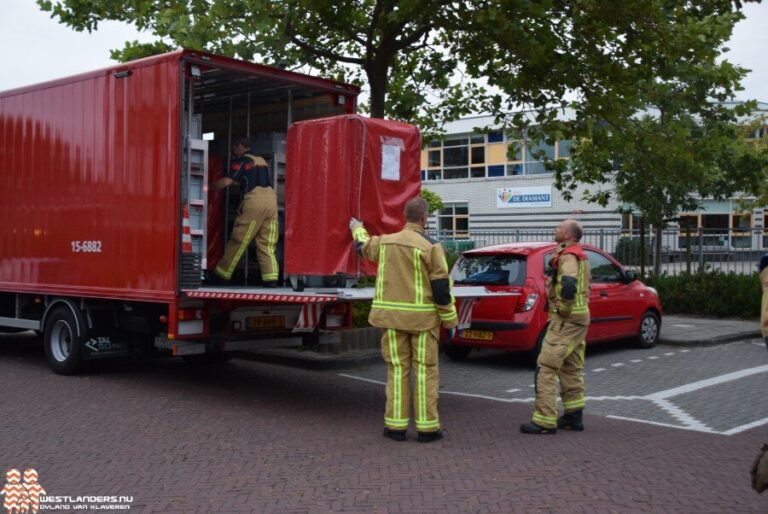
{"x":456,"y":156}
{"x":496,"y":170}
{"x":478,"y":154}
{"x":630,"y":224}
{"x":455,"y":173}
{"x":453,"y":220}
{"x":533,"y":166}
{"x":434,"y":158}
{"x":564,"y":149}
{"x":741,"y":237}
{"x":477,"y":172}
{"x":495,"y":136}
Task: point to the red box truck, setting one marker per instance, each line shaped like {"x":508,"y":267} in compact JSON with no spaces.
{"x":100,"y":173}
{"x":108,"y":223}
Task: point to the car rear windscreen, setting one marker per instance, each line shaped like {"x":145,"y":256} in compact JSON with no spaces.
{"x":490,"y":270}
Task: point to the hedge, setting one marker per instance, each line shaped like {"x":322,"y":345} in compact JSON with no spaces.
{"x":709,"y":293}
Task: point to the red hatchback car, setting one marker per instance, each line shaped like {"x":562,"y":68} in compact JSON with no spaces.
{"x":620,"y":306}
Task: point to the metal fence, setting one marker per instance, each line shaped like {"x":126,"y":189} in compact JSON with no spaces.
{"x":680,"y":251}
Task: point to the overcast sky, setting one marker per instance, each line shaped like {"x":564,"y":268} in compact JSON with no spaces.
{"x":36,"y":48}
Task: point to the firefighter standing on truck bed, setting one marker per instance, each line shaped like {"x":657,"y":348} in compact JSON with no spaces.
{"x":257,"y":217}
{"x":413,"y":296}
{"x":562,"y":351}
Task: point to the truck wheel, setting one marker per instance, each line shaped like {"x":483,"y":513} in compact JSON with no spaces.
{"x":648,"y":332}
{"x":62,"y":342}
{"x":456,"y":352}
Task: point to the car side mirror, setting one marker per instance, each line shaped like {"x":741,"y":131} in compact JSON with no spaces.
{"x":631,"y":276}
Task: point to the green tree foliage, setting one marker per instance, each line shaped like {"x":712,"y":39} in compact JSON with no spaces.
{"x":643,"y":87}
{"x":395,"y":47}
{"x":599,"y":64}
{"x":433,"y":200}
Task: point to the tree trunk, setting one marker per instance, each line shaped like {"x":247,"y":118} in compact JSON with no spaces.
{"x":377,"y":80}
{"x":642,"y":248}
{"x":657,"y":252}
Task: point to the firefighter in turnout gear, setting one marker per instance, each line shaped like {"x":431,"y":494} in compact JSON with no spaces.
{"x":257,"y":217}
{"x":562,"y":351}
{"x":412,"y":298}
{"x":763,"y":269}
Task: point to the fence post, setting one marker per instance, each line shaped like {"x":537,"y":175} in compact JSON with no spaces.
{"x":701,"y":248}
{"x":517,"y":235}
{"x":688,"y":250}
{"x":601,"y":240}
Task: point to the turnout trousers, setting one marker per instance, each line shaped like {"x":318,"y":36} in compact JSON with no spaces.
{"x":403,"y":351}
{"x":257,"y":220}
{"x":561,"y":358}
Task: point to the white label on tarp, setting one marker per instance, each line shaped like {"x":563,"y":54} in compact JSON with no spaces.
{"x":390,"y":162}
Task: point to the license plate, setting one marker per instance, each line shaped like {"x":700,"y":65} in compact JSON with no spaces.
{"x":485,"y":335}
{"x":257,"y":322}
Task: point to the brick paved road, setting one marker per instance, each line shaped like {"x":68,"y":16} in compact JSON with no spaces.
{"x":252,"y":437}
{"x":718,"y":389}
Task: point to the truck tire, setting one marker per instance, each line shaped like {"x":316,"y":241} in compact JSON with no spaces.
{"x":648,"y":330}
{"x":62,"y":341}
{"x":456,"y":352}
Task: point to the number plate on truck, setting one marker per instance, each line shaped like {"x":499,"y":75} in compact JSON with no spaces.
{"x":485,"y":335}
{"x":256,"y":322}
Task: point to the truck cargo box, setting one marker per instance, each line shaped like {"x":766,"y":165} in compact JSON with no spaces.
{"x":343,"y":167}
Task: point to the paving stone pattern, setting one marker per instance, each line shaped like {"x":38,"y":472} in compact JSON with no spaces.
{"x":254,"y":437}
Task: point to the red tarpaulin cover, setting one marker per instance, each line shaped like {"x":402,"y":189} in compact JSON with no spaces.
{"x":343,"y":167}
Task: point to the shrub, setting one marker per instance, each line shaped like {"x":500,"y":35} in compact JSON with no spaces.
{"x":709,"y":293}
{"x":628,"y":251}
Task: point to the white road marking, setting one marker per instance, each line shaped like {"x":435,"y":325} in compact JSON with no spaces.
{"x":660,"y":399}
{"x":668,"y":354}
{"x":701,"y":384}
{"x":758,"y":344}
{"x":617,"y":364}
{"x":656,"y":423}
{"x":532,"y":385}
{"x":652,"y":357}
{"x":598,"y":370}
{"x":682,"y":416}
{"x":455,"y":393}
{"x":742,"y":428}
{"x":684,"y":351}
{"x":636,"y":360}
{"x":681,"y":325}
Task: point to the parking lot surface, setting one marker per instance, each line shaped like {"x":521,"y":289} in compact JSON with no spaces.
{"x":715,"y":389}
{"x":254,"y":437}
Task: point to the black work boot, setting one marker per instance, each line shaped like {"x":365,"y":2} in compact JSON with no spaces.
{"x":533,"y":428}
{"x":395,"y":435}
{"x":428,"y":437}
{"x":571,"y":421}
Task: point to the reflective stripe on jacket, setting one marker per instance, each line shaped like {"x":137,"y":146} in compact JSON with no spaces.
{"x":413,"y":290}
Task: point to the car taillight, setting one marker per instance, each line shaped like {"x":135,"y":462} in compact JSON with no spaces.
{"x":528,"y":297}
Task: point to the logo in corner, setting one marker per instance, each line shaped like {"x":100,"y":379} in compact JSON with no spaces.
{"x":21,"y":497}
